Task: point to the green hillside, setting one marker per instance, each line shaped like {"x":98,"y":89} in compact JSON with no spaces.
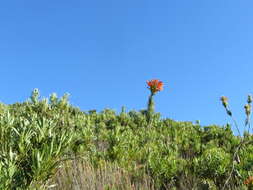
{"x":49,"y":144}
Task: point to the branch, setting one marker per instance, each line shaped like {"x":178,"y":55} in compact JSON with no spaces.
{"x":243,"y":142}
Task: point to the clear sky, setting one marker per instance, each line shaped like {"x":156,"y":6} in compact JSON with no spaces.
{"x":102,"y":53}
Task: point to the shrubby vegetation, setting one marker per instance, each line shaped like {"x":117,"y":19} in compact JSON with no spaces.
{"x":49,"y":144}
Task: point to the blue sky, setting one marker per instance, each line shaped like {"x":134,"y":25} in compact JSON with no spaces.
{"x":102,"y":53}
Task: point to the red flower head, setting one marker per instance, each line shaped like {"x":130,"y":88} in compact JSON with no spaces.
{"x":155,"y":85}
{"x":249,"y":181}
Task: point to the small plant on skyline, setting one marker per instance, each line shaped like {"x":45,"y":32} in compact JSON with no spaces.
{"x":243,"y":140}
{"x":247,"y":108}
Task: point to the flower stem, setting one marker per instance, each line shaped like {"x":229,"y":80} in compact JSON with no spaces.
{"x":151,"y":107}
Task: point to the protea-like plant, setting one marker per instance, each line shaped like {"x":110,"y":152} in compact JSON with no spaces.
{"x":154,"y":86}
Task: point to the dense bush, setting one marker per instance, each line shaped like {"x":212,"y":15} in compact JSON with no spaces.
{"x":38,"y":137}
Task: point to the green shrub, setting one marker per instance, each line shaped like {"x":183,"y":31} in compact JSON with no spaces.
{"x":38,"y":138}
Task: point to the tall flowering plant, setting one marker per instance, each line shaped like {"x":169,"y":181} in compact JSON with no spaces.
{"x":247,"y":108}
{"x":154,"y":86}
{"x":243,"y":141}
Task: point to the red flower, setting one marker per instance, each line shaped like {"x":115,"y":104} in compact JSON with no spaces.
{"x":249,"y":181}
{"x":155,"y":85}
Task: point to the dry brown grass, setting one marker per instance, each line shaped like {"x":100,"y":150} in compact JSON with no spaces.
{"x":81,"y":175}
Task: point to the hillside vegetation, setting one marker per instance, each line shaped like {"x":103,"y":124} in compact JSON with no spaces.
{"x":49,"y":144}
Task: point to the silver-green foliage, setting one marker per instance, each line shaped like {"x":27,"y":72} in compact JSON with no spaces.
{"x":31,"y":143}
